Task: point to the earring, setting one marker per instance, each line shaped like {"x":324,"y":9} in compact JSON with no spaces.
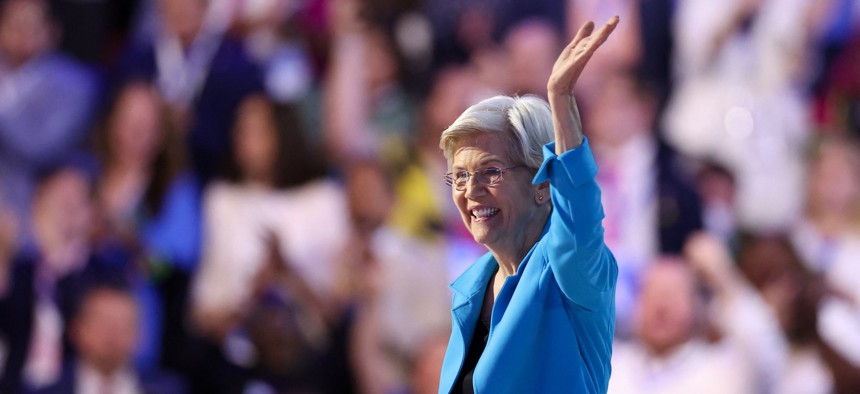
{"x":540,"y":198}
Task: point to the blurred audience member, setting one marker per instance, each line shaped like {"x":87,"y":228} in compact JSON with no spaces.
{"x":46,"y":280}
{"x":672,"y":353}
{"x":277,"y":187}
{"x":145,"y":194}
{"x":276,"y":38}
{"x":716,"y":186}
{"x":366,"y":112}
{"x":104,"y":333}
{"x":300,"y":345}
{"x":531,"y":48}
{"x":46,"y":101}
{"x":202,"y":75}
{"x":774,"y":268}
{"x":624,"y":50}
{"x":828,"y":240}
{"x":651,"y":205}
{"x":741,"y":67}
{"x":397,"y":283}
{"x":828,"y":235}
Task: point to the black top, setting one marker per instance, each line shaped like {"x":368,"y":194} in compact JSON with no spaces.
{"x":476,"y":348}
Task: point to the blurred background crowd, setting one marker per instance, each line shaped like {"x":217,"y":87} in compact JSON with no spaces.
{"x":246,"y":196}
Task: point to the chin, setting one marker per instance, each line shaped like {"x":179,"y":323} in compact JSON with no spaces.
{"x":483,"y":237}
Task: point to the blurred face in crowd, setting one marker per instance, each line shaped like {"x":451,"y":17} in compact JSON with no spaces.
{"x":105,"y":331}
{"x":256,"y":140}
{"x":135,"y":126}
{"x":618,"y":113}
{"x":532,"y":49}
{"x":184,"y":17}
{"x":474,"y":27}
{"x":716,"y":187}
{"x":447,"y":100}
{"x":370,"y":196}
{"x":381,"y":66}
{"x":25,"y":30}
{"x":834,"y":179}
{"x":500,"y":215}
{"x":275,"y":332}
{"x":63,"y":216}
{"x":667,"y":306}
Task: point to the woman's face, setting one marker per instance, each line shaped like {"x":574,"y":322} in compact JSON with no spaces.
{"x":255,"y":140}
{"x":135,"y":128}
{"x":25,"y":31}
{"x":833,"y":181}
{"x":498,"y":215}
{"x":667,"y":306}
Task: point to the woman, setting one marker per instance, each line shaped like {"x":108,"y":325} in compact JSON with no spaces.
{"x":536,"y":313}
{"x":147,"y":198}
{"x":277,"y":189}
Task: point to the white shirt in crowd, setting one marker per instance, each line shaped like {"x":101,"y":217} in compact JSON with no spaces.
{"x":90,"y":381}
{"x":310,"y":223}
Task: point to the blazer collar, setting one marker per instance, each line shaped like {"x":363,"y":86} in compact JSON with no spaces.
{"x":473,"y":282}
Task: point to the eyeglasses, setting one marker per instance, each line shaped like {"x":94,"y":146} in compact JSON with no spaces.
{"x":489,"y":176}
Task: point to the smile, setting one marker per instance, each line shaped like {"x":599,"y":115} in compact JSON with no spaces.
{"x":484,"y":213}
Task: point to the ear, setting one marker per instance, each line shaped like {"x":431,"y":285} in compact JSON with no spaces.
{"x":542,"y":193}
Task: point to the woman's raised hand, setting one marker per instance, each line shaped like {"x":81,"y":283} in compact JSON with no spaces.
{"x":576,"y":54}
{"x":566,"y":121}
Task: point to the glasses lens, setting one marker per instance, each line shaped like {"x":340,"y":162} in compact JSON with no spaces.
{"x":491,"y":176}
{"x":460,"y":179}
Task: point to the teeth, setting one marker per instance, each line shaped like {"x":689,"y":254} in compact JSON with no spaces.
{"x":486,"y":212}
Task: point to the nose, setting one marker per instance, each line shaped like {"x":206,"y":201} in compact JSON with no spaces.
{"x":474,"y":188}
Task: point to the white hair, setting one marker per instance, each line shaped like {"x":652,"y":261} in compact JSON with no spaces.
{"x":525,"y":121}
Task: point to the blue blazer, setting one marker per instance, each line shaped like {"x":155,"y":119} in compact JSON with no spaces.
{"x":553,"y":321}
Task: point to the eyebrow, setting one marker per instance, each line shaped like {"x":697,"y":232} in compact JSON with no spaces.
{"x":482,"y":164}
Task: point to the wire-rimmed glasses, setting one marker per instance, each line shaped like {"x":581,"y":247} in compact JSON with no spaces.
{"x":489,"y":176}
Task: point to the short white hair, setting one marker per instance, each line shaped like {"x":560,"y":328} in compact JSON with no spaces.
{"x":526,"y":122}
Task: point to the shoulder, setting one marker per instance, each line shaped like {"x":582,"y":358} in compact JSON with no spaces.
{"x":68,"y":74}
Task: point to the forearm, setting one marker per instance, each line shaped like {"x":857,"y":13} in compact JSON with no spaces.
{"x":566,"y":121}
{"x":345,"y":96}
{"x":574,"y":243}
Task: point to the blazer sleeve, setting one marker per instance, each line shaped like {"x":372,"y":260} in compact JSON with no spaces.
{"x":582,"y":265}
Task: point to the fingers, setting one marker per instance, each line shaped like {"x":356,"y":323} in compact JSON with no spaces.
{"x":575,"y":55}
{"x":598,"y":38}
{"x":583,"y":32}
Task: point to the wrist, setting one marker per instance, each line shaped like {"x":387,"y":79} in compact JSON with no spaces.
{"x":556,"y":92}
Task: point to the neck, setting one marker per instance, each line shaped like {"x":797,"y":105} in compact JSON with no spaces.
{"x":104,"y":369}
{"x":665,"y":350}
{"x":509,"y":253}
{"x":261,"y":178}
{"x":127,"y":166}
